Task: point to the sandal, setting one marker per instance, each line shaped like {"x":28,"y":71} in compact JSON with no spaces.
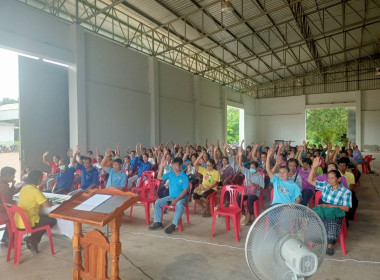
{"x":206,"y":214}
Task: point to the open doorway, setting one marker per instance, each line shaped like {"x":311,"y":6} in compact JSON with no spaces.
{"x":34,"y":110}
{"x":235,"y":125}
{"x":9,"y":111}
{"x":327,"y":125}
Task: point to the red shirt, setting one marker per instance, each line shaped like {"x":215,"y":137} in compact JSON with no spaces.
{"x":54,"y":167}
{"x":4,"y":198}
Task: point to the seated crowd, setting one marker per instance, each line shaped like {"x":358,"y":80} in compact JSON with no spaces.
{"x":293,"y":173}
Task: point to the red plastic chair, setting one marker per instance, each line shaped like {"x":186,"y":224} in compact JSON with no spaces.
{"x":148,"y":195}
{"x":8,"y":228}
{"x":15,"y":238}
{"x":261,"y":200}
{"x":256,"y":204}
{"x":271,"y":196}
{"x":233,"y":210}
{"x":311,"y":202}
{"x":146,"y":175}
{"x":170,"y":207}
{"x":343,"y":231}
{"x":366,"y":163}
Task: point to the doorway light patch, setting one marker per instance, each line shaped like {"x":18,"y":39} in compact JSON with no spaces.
{"x":28,"y":56}
{"x":55,"y":62}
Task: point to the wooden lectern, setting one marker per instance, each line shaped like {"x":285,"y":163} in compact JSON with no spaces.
{"x":96,"y":245}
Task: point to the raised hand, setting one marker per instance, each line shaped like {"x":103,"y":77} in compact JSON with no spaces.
{"x":278,"y":159}
{"x":280,"y":145}
{"x":316,"y":162}
{"x":270,"y":153}
{"x":108,"y":152}
{"x":240,"y":152}
{"x":337,"y":148}
{"x":46,"y":153}
{"x":70,"y":152}
{"x":78,"y":150}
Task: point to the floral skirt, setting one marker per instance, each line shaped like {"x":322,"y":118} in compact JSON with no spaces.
{"x":333,"y":227}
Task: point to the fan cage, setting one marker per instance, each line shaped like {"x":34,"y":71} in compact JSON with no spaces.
{"x":272,"y":228}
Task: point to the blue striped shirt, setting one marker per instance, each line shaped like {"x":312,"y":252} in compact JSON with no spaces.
{"x":341,"y":196}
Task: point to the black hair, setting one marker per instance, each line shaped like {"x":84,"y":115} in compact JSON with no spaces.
{"x":194,"y":155}
{"x":133,"y":151}
{"x":284,"y":167}
{"x":292,"y":160}
{"x":7,"y":171}
{"x":87,"y":158}
{"x":128,"y":157}
{"x":226,"y":158}
{"x":263,"y":153}
{"x":34,"y":177}
{"x":336,"y":172}
{"x":118,"y":161}
{"x":178,"y":160}
{"x":82,"y":157}
{"x":210,"y":160}
{"x":101,"y":156}
{"x":90,"y":152}
{"x":254,"y":163}
{"x":344,"y":152}
{"x":333,"y":163}
{"x":57,"y":157}
{"x":344,"y":160}
{"x":307,"y":160}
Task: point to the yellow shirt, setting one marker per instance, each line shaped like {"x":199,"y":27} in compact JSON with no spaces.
{"x":209,"y":177}
{"x":30,"y":200}
{"x":350,"y":178}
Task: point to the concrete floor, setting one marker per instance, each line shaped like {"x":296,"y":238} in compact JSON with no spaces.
{"x":193,"y":254}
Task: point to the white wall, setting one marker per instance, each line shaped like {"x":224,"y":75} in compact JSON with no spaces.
{"x":176,"y":104}
{"x":281,"y":119}
{"x":6,"y":134}
{"x":112,"y":98}
{"x":25,"y":29}
{"x":118,"y":94}
{"x":371,"y":117}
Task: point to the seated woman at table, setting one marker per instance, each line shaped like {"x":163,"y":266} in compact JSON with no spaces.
{"x":334,"y":196}
{"x":30,"y":200}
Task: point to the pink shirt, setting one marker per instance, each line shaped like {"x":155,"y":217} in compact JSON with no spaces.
{"x":54,"y":167}
{"x":305,"y":175}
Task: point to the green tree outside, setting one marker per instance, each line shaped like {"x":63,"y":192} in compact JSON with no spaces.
{"x":326,"y":125}
{"x":232,"y":125}
{"x":6,"y":100}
